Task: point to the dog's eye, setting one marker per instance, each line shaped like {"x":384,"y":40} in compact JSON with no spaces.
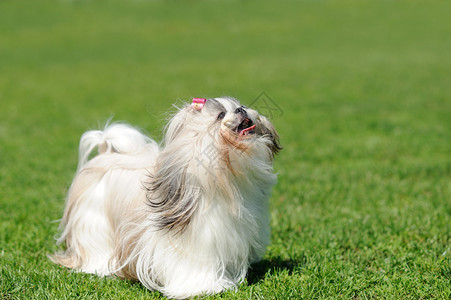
{"x":221,"y":115}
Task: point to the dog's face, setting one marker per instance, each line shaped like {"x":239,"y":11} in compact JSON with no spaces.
{"x":225,"y":123}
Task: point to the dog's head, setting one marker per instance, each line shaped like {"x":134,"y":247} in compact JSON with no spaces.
{"x":224,"y":125}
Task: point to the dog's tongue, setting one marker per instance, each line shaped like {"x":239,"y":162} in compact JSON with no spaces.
{"x":246,"y":130}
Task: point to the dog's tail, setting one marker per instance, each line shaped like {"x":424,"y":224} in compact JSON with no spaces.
{"x":115,"y":138}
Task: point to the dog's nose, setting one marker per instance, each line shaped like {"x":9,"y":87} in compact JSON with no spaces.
{"x":240,"y":110}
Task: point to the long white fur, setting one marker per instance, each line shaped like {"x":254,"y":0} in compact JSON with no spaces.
{"x":221,"y":213}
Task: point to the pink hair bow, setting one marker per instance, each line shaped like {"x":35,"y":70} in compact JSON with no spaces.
{"x":198,"y":103}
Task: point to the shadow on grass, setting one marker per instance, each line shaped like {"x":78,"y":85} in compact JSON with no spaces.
{"x":258,"y":270}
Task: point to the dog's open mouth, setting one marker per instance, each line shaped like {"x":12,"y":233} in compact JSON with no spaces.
{"x":246,"y":127}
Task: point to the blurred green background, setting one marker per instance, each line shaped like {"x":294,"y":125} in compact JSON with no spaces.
{"x":361,"y":96}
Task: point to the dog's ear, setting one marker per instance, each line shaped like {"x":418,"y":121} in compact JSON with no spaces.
{"x":172,"y":193}
{"x":176,"y":123}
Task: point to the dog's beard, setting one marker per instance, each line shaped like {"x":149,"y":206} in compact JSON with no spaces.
{"x":187,"y":219}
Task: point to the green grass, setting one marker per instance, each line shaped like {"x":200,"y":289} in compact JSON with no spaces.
{"x":362,"y":208}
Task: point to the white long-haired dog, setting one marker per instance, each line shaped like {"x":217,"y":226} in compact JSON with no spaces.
{"x":186,"y":218}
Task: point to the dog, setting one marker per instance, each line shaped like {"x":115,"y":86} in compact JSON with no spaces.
{"x":186,"y":217}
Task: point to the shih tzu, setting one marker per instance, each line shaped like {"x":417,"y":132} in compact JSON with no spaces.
{"x":185,"y":218}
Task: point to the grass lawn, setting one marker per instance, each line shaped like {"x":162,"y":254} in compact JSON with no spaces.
{"x":360,"y":94}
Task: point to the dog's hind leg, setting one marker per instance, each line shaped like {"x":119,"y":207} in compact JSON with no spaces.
{"x":87,"y":231}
